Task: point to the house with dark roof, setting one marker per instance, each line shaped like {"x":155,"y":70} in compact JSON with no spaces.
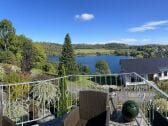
{"x":150,"y":68}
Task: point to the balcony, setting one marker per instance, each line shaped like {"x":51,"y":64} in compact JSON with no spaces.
{"x":41,"y":102}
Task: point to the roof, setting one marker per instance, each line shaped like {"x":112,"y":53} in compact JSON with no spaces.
{"x":144,"y":65}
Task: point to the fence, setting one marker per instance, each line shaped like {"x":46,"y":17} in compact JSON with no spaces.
{"x":32,"y":101}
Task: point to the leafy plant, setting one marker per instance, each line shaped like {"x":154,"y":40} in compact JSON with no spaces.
{"x":163,"y":85}
{"x":15,"y":111}
{"x":7,"y":57}
{"x":161,"y":104}
{"x":45,"y":93}
{"x":16,"y":77}
{"x":16,"y":91}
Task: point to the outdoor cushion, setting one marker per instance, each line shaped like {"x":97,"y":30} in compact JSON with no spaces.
{"x":99,"y":120}
{"x":82,"y":122}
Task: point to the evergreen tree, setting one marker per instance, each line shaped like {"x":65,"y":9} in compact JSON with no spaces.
{"x":68,"y":57}
{"x":63,"y":88}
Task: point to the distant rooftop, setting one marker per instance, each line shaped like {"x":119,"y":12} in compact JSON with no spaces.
{"x":144,"y":66}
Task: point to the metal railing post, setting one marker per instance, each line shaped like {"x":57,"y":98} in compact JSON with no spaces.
{"x":1,"y":106}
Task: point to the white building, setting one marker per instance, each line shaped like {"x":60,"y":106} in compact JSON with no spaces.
{"x":151,"y":69}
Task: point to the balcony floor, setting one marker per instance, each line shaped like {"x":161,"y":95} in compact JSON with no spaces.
{"x":119,"y":121}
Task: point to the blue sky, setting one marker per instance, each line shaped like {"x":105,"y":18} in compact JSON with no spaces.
{"x":89,"y":21}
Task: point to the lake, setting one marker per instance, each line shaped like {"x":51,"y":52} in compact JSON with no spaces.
{"x":112,"y":60}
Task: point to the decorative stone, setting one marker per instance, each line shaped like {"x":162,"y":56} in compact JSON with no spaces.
{"x":130,"y":110}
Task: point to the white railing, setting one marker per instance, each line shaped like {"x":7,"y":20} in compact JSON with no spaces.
{"x":32,"y":101}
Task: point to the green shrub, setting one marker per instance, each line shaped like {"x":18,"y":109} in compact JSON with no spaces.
{"x":45,"y":92}
{"x":19,"y":90}
{"x":83,"y":69}
{"x":162,"y":105}
{"x":16,"y":77}
{"x":15,"y":111}
{"x":163,"y":85}
{"x":130,"y":110}
{"x":107,"y":80}
{"x":102,"y":67}
{"x":8,"y":68}
{"x":49,"y":67}
{"x":7,"y":57}
{"x":40,"y":77}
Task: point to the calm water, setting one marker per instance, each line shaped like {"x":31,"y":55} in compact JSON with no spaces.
{"x":112,"y":60}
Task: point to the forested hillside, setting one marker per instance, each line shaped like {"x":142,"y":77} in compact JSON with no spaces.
{"x":141,"y":51}
{"x":51,"y":49}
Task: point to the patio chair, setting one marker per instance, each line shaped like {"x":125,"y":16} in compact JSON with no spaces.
{"x":7,"y":122}
{"x":93,"y":110}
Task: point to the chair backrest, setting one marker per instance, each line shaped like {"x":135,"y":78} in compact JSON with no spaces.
{"x":92,"y":103}
{"x":159,"y":119}
{"x":7,"y":122}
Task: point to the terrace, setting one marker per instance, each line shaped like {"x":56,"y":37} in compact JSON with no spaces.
{"x":40,"y":102}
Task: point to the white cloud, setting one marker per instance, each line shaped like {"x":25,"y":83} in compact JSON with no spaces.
{"x":146,"y":40}
{"x":129,"y":41}
{"x":84,"y":17}
{"x":149,"y":26}
{"x":123,"y":40}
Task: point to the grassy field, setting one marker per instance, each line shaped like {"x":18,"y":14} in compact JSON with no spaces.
{"x":83,"y":82}
{"x":93,"y":51}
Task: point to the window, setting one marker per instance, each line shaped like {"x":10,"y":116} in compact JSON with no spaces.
{"x":160,"y":74}
{"x":165,"y":73}
{"x":150,"y":77}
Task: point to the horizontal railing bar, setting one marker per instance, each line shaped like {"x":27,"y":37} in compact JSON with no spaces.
{"x":120,"y":74}
{"x":152,"y":85}
{"x":34,"y":82}
{"x":19,"y":123}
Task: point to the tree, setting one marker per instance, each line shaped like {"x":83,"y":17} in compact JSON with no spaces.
{"x":102,"y":67}
{"x":7,"y":57}
{"x":39,"y":55}
{"x":7,"y":33}
{"x":63,"y":89}
{"x":17,"y":48}
{"x":68,"y":57}
{"x":26,"y":64}
{"x":83,"y":69}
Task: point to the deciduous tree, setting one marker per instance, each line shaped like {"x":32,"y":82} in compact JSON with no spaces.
{"x":26,"y":64}
{"x":102,"y":67}
{"x":7,"y":33}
